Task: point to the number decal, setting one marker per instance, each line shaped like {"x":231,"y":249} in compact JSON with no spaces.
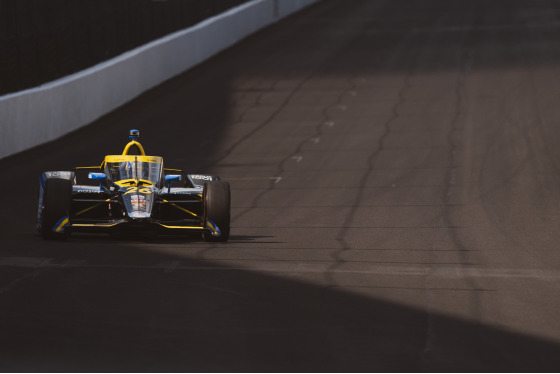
{"x":132,"y":189}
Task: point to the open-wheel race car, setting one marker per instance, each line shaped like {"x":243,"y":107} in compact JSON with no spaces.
{"x":135,"y":193}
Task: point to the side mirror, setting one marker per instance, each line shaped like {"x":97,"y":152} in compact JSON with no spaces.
{"x":100,"y":176}
{"x":97,"y":176}
{"x":171,"y":177}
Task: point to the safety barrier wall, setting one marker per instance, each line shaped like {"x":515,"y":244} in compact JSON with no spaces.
{"x":41,"y":41}
{"x":32,"y":117}
{"x":285,"y":8}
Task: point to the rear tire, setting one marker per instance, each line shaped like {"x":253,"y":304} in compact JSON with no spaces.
{"x":57,"y":204}
{"x":217,"y":202}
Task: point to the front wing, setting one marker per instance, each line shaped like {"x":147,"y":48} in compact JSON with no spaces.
{"x":177,"y":210}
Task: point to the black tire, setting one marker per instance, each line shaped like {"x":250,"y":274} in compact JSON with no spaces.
{"x":57,"y":204}
{"x":217,"y":210}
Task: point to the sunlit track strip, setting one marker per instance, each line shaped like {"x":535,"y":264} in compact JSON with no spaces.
{"x":443,"y":270}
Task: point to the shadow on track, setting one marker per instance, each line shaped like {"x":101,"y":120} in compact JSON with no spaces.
{"x":201,"y":316}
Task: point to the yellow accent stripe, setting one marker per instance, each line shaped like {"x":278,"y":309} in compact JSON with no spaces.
{"x":87,"y":167}
{"x":114,"y":224}
{"x":208,"y":223}
{"x":130,"y":144}
{"x":94,"y":224}
{"x":133,"y":182}
{"x":180,"y":207}
{"x":59,"y":228}
{"x":182,"y":227}
{"x":124,"y":158}
{"x":91,"y":207}
{"x":87,"y":209}
{"x":126,"y":183}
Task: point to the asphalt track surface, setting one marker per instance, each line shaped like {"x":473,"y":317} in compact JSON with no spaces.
{"x":396,"y":188}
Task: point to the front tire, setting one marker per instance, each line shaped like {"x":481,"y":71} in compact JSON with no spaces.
{"x":57,"y":204}
{"x":217,"y":205}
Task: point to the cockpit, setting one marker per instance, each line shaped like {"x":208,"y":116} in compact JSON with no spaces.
{"x":134,"y":169}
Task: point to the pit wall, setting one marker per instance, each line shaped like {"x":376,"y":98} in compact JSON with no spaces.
{"x":39,"y":115}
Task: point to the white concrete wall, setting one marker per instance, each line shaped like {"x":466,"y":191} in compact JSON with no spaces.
{"x":39,"y":115}
{"x":285,"y":8}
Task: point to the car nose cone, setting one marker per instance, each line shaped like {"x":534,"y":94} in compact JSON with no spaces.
{"x":138,"y":214}
{"x":138,"y":201}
